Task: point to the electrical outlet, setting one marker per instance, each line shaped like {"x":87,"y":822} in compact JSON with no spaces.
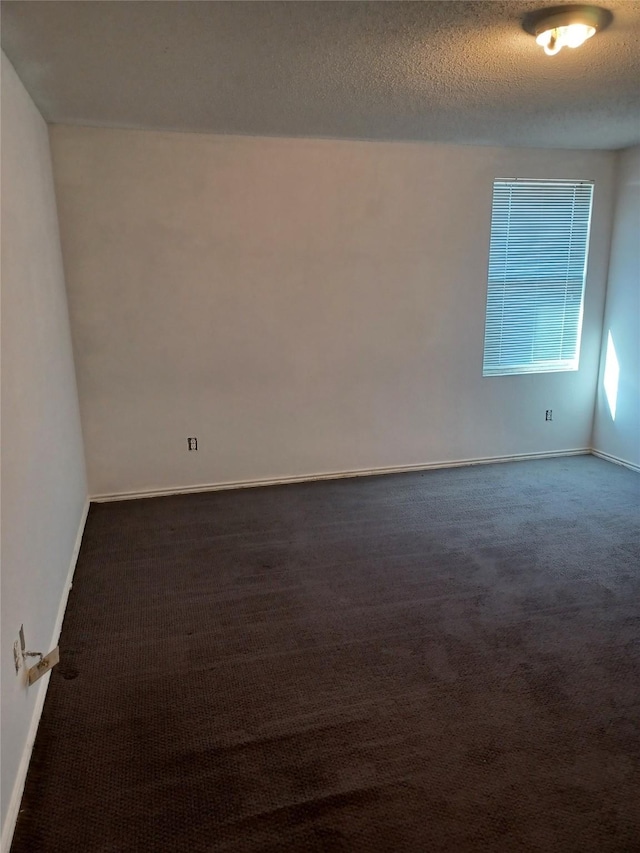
{"x":17,"y":656}
{"x":548,"y":415}
{"x":192,"y":443}
{"x":18,"y":650}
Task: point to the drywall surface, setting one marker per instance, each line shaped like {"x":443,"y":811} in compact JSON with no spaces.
{"x":300,"y":306}
{"x":617,"y":420}
{"x":43,"y":473}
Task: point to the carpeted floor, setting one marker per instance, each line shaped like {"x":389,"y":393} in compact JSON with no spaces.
{"x":440,"y":661}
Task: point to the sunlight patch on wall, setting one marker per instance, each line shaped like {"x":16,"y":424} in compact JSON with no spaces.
{"x":611,"y":376}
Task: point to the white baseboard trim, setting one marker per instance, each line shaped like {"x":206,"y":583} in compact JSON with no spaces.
{"x":21,"y":776}
{"x":609,"y":458}
{"x":333,"y":475}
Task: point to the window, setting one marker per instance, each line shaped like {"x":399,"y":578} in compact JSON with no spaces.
{"x":537,"y":269}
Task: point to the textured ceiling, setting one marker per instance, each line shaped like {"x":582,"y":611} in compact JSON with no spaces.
{"x":460,"y":72}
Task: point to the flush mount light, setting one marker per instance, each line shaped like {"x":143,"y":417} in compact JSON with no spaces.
{"x":565,"y":26}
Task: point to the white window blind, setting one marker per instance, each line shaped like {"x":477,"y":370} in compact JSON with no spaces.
{"x":537,"y":269}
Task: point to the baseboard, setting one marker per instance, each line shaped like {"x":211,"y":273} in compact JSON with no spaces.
{"x":21,"y":776}
{"x":333,"y":475}
{"x":610,"y":458}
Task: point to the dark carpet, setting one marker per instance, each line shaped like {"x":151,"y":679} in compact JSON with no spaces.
{"x":439,"y":661}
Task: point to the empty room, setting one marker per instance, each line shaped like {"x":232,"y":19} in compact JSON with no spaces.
{"x":320,"y":427}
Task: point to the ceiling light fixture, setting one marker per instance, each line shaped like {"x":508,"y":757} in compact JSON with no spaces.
{"x":565,"y":26}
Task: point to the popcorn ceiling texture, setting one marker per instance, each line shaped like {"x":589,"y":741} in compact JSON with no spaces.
{"x":461,"y":72}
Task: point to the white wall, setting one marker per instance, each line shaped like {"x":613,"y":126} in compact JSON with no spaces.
{"x":43,"y":473}
{"x":301,"y":306}
{"x":619,"y":436}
